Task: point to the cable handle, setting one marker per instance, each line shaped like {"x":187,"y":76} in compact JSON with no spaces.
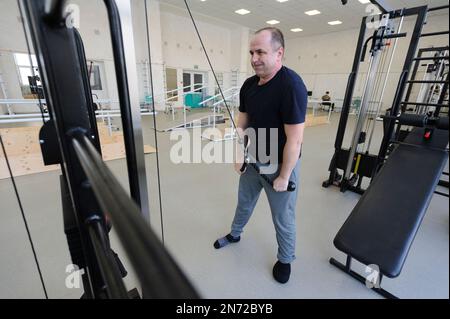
{"x":291,"y":185}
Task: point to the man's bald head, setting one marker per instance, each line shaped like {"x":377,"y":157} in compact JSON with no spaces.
{"x":277,"y":39}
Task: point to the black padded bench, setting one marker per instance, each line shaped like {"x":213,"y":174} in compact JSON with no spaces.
{"x":383,"y":224}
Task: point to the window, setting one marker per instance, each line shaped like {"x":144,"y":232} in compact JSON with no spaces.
{"x":186,"y":82}
{"x":94,"y":76}
{"x":26,"y":64}
{"x":171,"y":84}
{"x":194,"y":81}
{"x":198,"y":82}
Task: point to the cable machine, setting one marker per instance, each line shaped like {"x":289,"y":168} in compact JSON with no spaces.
{"x":356,"y":162}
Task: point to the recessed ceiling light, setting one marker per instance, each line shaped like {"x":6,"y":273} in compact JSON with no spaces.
{"x":273,"y":22}
{"x":296,"y":30}
{"x":282,"y":1}
{"x":312,"y":12}
{"x":364,"y":1}
{"x":335,"y":22}
{"x":242,"y":11}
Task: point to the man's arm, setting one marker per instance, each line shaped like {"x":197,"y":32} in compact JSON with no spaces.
{"x":291,"y":153}
{"x":241,"y":127}
{"x":242,"y":123}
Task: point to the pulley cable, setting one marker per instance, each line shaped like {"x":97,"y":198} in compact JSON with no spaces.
{"x":23,"y":216}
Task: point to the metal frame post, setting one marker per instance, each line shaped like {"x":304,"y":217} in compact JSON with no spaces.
{"x":125,"y":64}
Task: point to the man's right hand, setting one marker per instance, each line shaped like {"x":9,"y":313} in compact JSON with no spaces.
{"x":238,"y":167}
{"x":241,"y":143}
{"x":239,"y":160}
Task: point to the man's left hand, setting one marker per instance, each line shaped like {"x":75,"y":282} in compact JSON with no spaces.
{"x":280,"y":184}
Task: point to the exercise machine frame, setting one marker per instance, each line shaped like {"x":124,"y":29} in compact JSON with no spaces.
{"x":349,"y":160}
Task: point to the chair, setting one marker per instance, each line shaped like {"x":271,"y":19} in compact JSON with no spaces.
{"x":326,"y":103}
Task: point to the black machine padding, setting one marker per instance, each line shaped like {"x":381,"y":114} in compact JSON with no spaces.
{"x":383,"y":224}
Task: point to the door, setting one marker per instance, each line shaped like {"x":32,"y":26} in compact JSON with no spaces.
{"x":194,"y":82}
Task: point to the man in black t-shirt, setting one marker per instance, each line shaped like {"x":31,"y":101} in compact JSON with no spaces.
{"x":272,"y":113}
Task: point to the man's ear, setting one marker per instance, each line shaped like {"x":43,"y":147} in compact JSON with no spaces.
{"x":281,"y":53}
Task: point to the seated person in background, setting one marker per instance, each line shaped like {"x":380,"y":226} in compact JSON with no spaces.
{"x":325,"y":101}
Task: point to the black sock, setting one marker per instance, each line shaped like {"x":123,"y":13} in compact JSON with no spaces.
{"x":222,"y":242}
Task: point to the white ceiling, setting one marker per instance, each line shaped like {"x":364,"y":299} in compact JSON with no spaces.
{"x":291,"y":13}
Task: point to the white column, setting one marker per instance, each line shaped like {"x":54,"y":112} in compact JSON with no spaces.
{"x":245,"y":56}
{"x":180,"y":85}
{"x":239,"y":55}
{"x":154,"y":25}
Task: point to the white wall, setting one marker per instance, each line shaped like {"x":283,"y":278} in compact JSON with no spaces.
{"x":182,"y":48}
{"x":325,"y":61}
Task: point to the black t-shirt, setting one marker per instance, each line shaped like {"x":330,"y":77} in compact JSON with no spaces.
{"x":280,"y":101}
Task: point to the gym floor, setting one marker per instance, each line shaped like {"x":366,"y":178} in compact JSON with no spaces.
{"x":198,"y":203}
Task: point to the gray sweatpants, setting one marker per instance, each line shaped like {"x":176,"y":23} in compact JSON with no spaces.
{"x":282,"y":206}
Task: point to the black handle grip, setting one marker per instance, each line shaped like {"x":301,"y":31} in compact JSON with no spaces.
{"x":290,"y":188}
{"x":291,"y":185}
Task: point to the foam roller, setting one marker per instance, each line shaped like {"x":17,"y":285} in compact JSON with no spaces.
{"x":413,"y":120}
{"x":442,"y":123}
